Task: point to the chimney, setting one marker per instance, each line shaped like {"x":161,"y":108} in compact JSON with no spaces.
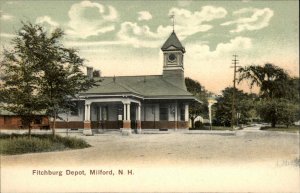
{"x":89,"y":71}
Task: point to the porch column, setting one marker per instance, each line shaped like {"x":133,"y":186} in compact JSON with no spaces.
{"x":100,"y":113}
{"x":176,"y":115}
{"x":126,"y":130}
{"x":87,"y":122}
{"x":186,"y":112}
{"x":86,"y":112}
{"x":100,"y":124}
{"x":124,"y":112}
{"x":128,"y":112}
{"x":138,"y":121}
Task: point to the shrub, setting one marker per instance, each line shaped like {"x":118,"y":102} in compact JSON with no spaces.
{"x":199,"y":125}
{"x":72,"y":142}
{"x":18,"y":144}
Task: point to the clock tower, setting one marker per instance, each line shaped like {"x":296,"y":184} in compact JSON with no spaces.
{"x":173,"y":68}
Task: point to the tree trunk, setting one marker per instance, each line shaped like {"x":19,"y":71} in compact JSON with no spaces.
{"x":54,"y":125}
{"x":193,"y":124}
{"x":273,"y":124}
{"x":29,"y":131}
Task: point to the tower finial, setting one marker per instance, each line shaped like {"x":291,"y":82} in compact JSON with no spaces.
{"x":172,"y":16}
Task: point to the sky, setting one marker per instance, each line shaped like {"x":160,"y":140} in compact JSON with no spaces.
{"x":124,"y":37}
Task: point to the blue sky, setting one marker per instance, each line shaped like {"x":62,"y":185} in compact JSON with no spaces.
{"x":124,"y":37}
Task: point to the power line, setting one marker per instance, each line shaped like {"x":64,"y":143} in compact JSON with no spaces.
{"x":233,"y":116}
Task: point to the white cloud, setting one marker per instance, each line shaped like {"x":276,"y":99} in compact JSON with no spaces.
{"x":82,"y":27}
{"x":186,"y":23}
{"x":47,"y":22}
{"x":259,"y":19}
{"x":89,"y":44}
{"x":144,"y":15}
{"x":5,"y":17}
{"x":238,"y":44}
{"x":142,"y":36}
{"x":7,"y":35}
{"x":46,"y":19}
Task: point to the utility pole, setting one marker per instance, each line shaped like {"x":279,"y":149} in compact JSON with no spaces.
{"x":233,"y":116}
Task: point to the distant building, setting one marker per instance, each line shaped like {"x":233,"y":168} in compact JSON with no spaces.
{"x":9,"y":121}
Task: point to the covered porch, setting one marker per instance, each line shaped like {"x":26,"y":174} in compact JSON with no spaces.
{"x":134,"y":115}
{"x":108,"y":113}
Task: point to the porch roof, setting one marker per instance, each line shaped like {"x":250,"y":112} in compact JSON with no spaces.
{"x":150,"y":86}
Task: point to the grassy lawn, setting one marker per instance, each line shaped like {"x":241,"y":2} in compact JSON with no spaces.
{"x":293,"y":129}
{"x":19,"y":144}
{"x":219,"y":128}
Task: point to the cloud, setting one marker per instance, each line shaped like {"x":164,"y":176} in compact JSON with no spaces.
{"x":187,"y":23}
{"x":259,"y":19}
{"x":90,"y":44}
{"x":142,"y":36}
{"x":5,"y":17}
{"x":7,"y":35}
{"x":237,"y":44}
{"x":47,"y":22}
{"x":144,"y":15}
{"x":88,"y":19}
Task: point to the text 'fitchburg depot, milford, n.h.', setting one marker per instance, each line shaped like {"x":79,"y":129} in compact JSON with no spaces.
{"x":91,"y":172}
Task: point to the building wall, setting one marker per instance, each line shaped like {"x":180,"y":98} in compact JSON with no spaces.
{"x":150,"y":112}
{"x":14,"y":122}
{"x":150,"y":116}
{"x":72,"y":117}
{"x":112,"y":111}
{"x":70,"y":124}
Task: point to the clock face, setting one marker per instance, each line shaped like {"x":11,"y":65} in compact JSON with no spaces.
{"x":172,"y":57}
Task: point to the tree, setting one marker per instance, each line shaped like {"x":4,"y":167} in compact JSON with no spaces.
{"x":244,"y":106}
{"x":278,"y":92}
{"x":272,"y":81}
{"x":20,"y":80}
{"x":50,"y":71}
{"x":196,"y":109}
{"x":277,"y":111}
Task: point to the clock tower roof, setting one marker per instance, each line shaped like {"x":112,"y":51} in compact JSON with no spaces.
{"x":173,"y":41}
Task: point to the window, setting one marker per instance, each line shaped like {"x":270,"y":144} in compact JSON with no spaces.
{"x":120,"y":113}
{"x":37,"y":120}
{"x":7,"y":120}
{"x":74,"y":108}
{"x":163,"y":113}
{"x":182,"y":113}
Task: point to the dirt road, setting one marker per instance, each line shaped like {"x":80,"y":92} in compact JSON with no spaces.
{"x":171,"y":148}
{"x":182,"y":161}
